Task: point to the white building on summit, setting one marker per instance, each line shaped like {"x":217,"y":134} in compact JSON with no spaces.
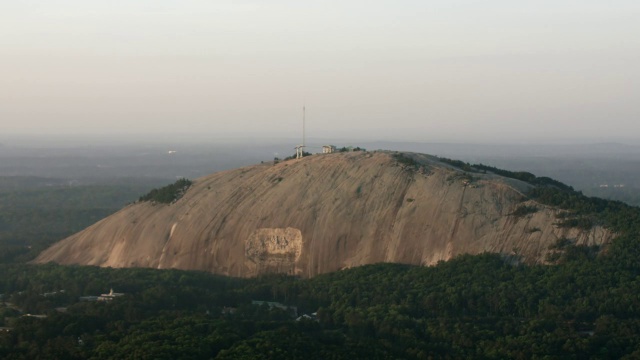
{"x":328,"y":149}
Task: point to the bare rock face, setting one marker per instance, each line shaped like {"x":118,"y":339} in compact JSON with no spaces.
{"x":323,"y":213}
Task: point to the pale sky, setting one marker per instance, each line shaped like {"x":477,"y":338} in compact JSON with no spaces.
{"x":417,"y":70}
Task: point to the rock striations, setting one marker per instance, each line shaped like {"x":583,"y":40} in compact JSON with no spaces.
{"x":323,"y":213}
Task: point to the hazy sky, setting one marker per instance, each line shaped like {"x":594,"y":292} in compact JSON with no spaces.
{"x":421,"y":70}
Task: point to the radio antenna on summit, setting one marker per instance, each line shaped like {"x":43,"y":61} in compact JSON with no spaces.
{"x":300,"y":148}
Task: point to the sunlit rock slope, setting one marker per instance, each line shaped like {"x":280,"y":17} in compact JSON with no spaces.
{"x":323,"y":213}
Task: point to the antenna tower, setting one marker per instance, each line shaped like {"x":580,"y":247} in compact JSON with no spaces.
{"x":300,"y":148}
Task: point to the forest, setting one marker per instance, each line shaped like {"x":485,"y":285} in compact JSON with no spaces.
{"x":481,"y":306}
{"x":36,"y":212}
{"x":488,"y":306}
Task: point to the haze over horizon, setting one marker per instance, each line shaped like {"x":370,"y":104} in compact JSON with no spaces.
{"x":378,"y":70}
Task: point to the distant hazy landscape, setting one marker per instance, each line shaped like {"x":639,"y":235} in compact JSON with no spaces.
{"x":608,"y":170}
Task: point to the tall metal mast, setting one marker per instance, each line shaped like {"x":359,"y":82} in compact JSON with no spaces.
{"x":300,"y":148}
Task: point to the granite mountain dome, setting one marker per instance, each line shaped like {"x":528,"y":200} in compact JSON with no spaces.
{"x":323,"y":213}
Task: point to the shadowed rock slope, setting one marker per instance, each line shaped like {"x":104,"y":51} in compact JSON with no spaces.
{"x":324,"y":213}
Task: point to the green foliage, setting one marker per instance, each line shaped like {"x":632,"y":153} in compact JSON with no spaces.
{"x":406,"y":160}
{"x":523,"y":210}
{"x":518,"y":175}
{"x":582,"y":222}
{"x":561,"y":243}
{"x":586,"y":211}
{"x":169,"y":193}
{"x":524,"y":176}
{"x":35,"y":215}
{"x":351,"y":148}
{"x":583,"y":212}
{"x":460,"y":176}
{"x":458,"y":163}
{"x":470,"y":307}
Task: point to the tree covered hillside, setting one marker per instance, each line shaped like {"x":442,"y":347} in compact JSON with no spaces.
{"x":35,"y":212}
{"x":471,"y":307}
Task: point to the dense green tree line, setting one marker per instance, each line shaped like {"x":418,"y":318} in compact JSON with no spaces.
{"x":168,"y":194}
{"x":33,"y":216}
{"x":471,"y":307}
{"x":518,"y":175}
{"x":581,"y":211}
